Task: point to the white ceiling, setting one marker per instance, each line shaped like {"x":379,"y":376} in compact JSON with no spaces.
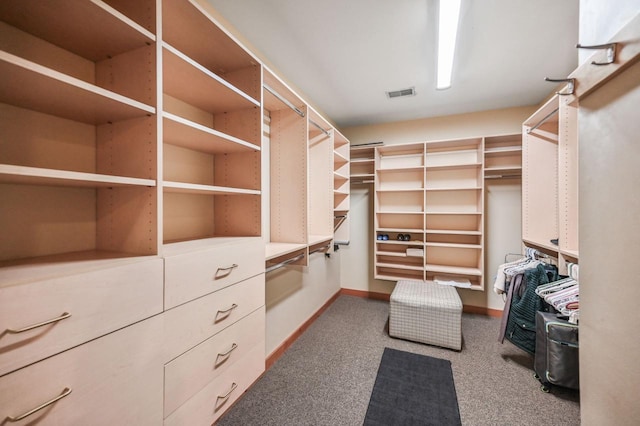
{"x":345,"y":54}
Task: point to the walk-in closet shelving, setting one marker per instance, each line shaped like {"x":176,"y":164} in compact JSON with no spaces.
{"x":362,"y":164}
{"x":503,"y":156}
{"x":341,"y":188}
{"x":454,"y":211}
{"x":550,"y":179}
{"x":399,"y":211}
{"x":211,"y":130}
{"x":320,"y":142}
{"x":287,"y":126}
{"x":70,"y":185}
{"x":429,"y":209}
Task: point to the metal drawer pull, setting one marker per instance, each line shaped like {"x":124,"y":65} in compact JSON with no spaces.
{"x":225,"y":396}
{"x":227,"y":310}
{"x":64,"y":393}
{"x":225,"y":271}
{"x":31,"y":327}
{"x":233,"y":347}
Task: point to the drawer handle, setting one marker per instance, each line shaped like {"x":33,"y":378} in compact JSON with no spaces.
{"x":64,"y":393}
{"x":226,"y":271}
{"x":31,"y":327}
{"x":226,"y":396}
{"x":233,"y":348}
{"x":226,"y":311}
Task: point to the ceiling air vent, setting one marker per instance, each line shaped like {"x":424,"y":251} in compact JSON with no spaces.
{"x":400,"y":93}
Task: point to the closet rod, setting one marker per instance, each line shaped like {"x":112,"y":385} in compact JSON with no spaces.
{"x":320,"y":248}
{"x":342,"y":219}
{"x":283,"y":100}
{"x":320,"y":127}
{"x":285,"y":263}
{"x":541,"y":122}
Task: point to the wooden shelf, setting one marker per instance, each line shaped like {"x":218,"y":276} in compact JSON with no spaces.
{"x":453,"y":166}
{"x":454,"y":245}
{"x":29,"y":85}
{"x":318,"y":239}
{"x":91,"y":29}
{"x":399,"y":266}
{"x":507,"y":150}
{"x":406,"y":243}
{"x":462,"y":188}
{"x":362,"y":161}
{"x":188,"y":134}
{"x":451,"y":232}
{"x":400,"y":169}
{"x":194,"y":84}
{"x":275,"y":249}
{"x":456,"y":270}
{"x":39,"y":176}
{"x":193,"y":188}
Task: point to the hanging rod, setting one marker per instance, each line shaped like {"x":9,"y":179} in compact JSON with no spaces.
{"x":285,"y":263}
{"x":611,"y":52}
{"x":541,"y":122}
{"x":320,"y":248}
{"x":571,"y":82}
{"x":320,"y":127}
{"x":367,"y":144}
{"x":283,"y":100}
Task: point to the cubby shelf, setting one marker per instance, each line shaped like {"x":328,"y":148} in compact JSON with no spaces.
{"x":29,"y":85}
{"x":40,"y":176}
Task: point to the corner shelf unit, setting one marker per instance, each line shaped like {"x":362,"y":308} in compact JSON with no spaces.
{"x":550,"y":181}
{"x":432,"y":192}
{"x":503,"y":157}
{"x":362,"y":164}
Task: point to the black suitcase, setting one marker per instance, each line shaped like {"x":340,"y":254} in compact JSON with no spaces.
{"x":556,"y":357}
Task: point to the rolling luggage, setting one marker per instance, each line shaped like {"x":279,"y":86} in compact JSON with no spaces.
{"x":556,"y":356}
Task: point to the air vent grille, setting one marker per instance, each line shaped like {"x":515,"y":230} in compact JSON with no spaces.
{"x":400,"y":93}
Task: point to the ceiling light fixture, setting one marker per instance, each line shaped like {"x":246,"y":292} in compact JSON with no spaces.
{"x":449,"y":15}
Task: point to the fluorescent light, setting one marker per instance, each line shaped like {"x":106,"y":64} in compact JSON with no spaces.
{"x":447,"y":32}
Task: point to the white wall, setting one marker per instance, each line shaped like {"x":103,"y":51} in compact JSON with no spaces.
{"x":503,"y":198}
{"x":600,"y":20}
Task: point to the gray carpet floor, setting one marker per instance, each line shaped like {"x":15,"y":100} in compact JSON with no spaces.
{"x":327,"y":375}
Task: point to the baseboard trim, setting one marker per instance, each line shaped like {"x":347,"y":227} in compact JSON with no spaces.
{"x":280,"y":350}
{"x":469,"y":309}
{"x":365,"y":294}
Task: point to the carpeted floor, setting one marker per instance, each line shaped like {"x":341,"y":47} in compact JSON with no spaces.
{"x":327,"y":375}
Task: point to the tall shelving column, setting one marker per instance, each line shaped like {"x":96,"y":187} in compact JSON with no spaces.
{"x":341,"y":188}
{"x":320,"y":143}
{"x":211,"y":130}
{"x":454,"y":187}
{"x":286,"y":116}
{"x":399,"y":212}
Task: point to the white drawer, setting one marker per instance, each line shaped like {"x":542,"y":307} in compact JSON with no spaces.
{"x":99,"y":301}
{"x":189,"y":373}
{"x":114,"y":380}
{"x":191,"y":323}
{"x":209,"y":404}
{"x":196,"y":273}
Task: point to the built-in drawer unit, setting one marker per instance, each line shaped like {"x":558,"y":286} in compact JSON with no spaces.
{"x":193,"y":269}
{"x":48,"y":315}
{"x":114,"y":380}
{"x":193,"y":322}
{"x":208,"y":404}
{"x":189,"y":373}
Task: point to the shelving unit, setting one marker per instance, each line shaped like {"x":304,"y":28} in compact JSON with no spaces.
{"x":68,"y":180}
{"x":549,"y":181}
{"x":288,"y":131}
{"x":362,"y":164}
{"x":320,"y":142}
{"x":454,"y":211}
{"x":503,"y":156}
{"x":432,"y":191}
{"x":341,"y":188}
{"x":211,"y":131}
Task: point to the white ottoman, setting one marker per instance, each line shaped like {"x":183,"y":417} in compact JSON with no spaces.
{"x":426,"y":312}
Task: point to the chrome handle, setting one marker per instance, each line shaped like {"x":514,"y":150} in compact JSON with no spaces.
{"x":65,"y":315}
{"x":233,"y":348}
{"x":225,"y":396}
{"x":64,"y":393}
{"x":227,"y":310}
{"x":226,"y":271}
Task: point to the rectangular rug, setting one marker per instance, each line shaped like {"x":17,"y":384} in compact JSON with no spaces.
{"x":412,"y":389}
